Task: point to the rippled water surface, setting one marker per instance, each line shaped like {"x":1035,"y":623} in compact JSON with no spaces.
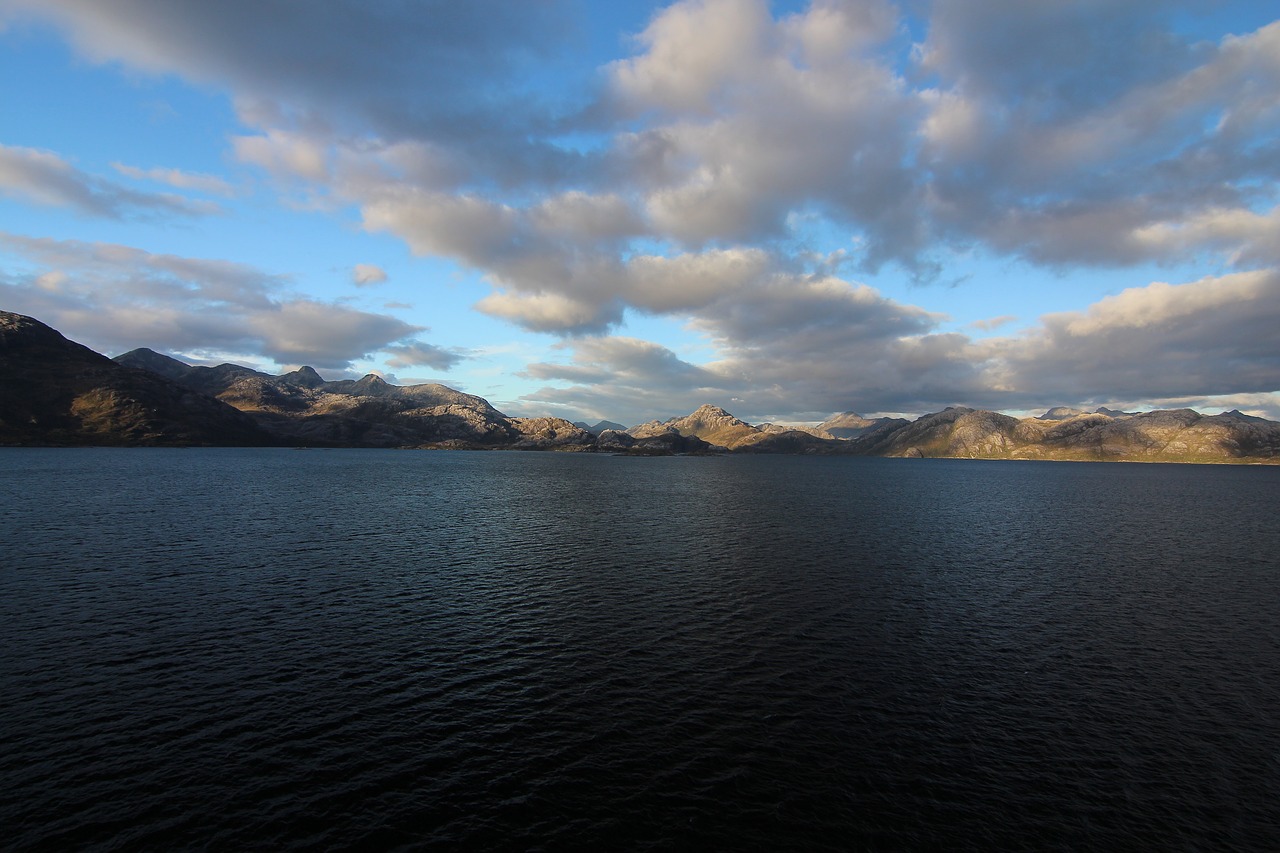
{"x":231,"y":649}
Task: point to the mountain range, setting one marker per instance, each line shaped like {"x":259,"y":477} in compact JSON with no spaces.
{"x":57,"y":392}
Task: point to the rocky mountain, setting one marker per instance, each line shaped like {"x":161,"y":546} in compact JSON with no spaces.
{"x":55,"y":391}
{"x":1177,"y":435}
{"x":302,"y":408}
{"x":720,"y":429}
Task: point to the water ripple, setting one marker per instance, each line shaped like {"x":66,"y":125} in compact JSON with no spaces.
{"x":234,"y":649}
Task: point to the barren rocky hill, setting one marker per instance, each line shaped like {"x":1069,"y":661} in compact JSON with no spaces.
{"x":1177,"y":435}
{"x":720,"y":429}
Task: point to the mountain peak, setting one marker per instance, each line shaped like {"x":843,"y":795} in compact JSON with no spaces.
{"x":305,"y":376}
{"x":706,"y":410}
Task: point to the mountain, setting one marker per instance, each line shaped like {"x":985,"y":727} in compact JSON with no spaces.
{"x":599,"y":427}
{"x":55,"y":391}
{"x":302,"y":408}
{"x":853,"y":425}
{"x":720,"y":429}
{"x":1060,"y":413}
{"x":1176,"y":435}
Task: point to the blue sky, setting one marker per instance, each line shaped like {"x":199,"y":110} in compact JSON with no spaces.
{"x":624,"y":210}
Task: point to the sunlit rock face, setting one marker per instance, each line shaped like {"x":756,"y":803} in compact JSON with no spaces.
{"x":550,"y":434}
{"x":55,"y":391}
{"x":1178,"y":435}
{"x":720,"y":429}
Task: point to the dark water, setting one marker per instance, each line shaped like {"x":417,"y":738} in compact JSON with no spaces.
{"x":269,"y":649}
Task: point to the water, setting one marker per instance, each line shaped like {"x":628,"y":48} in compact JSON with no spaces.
{"x":273,"y":649}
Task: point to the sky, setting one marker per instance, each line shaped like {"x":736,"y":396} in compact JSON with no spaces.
{"x":623,"y":210}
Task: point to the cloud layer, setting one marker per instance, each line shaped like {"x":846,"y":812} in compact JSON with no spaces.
{"x":115,"y":298}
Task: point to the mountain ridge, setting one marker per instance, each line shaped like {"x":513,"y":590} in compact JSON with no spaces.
{"x":54,"y":391}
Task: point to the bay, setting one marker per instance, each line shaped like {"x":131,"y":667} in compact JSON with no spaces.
{"x":262,"y":648}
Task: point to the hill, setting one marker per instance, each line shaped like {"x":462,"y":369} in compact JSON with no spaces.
{"x":1175,"y":435}
{"x":722,"y":430}
{"x":55,"y":391}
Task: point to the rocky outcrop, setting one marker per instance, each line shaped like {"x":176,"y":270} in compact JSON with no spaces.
{"x":56,"y":392}
{"x":550,"y":434}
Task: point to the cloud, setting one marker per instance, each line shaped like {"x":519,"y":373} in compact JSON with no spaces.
{"x":43,"y":177}
{"x":115,"y":298}
{"x":416,"y":354}
{"x":844,"y":347}
{"x":177,"y":178}
{"x":755,"y":118}
{"x":453,"y":72}
{"x":1216,"y":335}
{"x":993,"y":323}
{"x":704,"y":176}
{"x":367,"y":275}
{"x":628,"y":378}
{"x":1073,"y":133}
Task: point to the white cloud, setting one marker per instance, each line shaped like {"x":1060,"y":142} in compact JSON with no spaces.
{"x":177,"y":178}
{"x":367,"y":275}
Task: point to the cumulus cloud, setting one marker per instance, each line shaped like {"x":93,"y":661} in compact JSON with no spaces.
{"x":711,"y":160}
{"x":757,"y":118}
{"x":45,"y":178}
{"x":115,"y":298}
{"x":852,"y":349}
{"x":367,"y":275}
{"x":1210,"y":336}
{"x":1072,"y":133}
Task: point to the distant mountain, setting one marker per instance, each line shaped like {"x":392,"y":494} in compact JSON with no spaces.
{"x":302,"y":408}
{"x":55,"y":391}
{"x":1060,"y":413}
{"x":853,"y":425}
{"x":599,"y":427}
{"x":1177,"y":435}
{"x":721,"y":429}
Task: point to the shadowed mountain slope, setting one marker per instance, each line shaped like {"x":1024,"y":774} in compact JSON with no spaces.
{"x":55,"y":391}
